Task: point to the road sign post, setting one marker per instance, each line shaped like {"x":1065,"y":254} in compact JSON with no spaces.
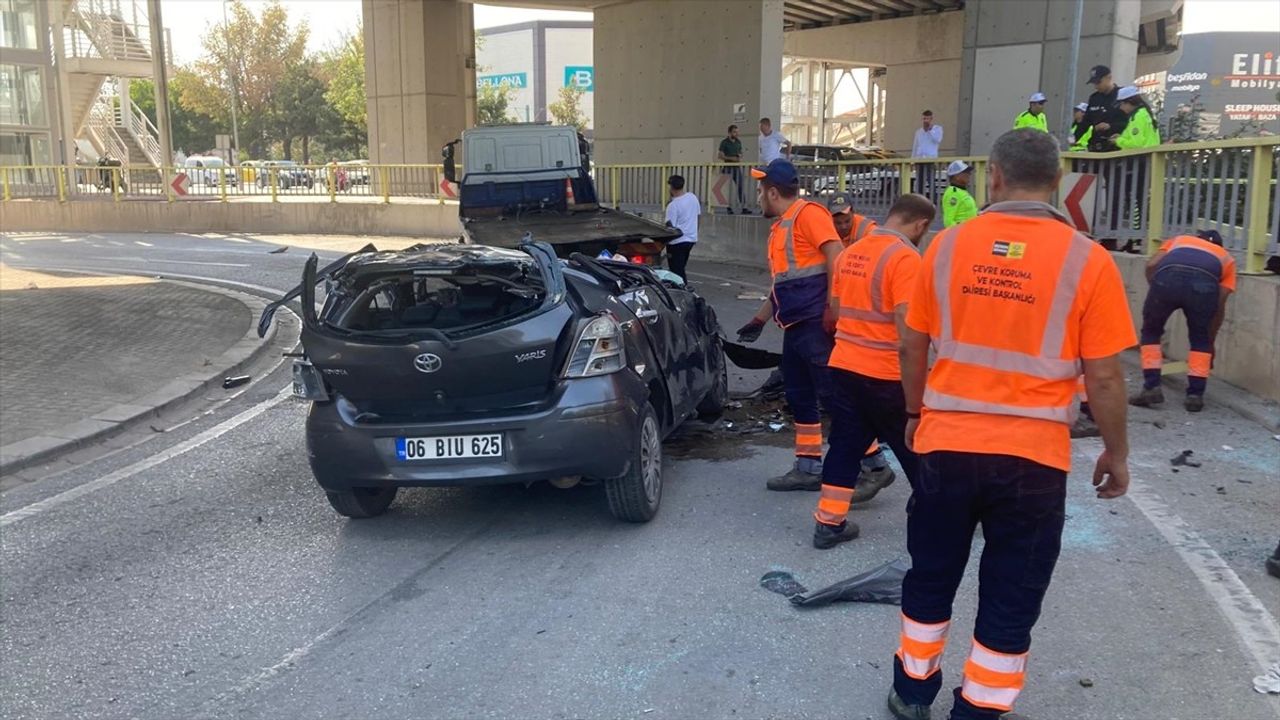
{"x":1079,"y":192}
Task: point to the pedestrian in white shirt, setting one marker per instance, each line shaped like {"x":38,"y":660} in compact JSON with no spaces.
{"x":925,"y":145}
{"x":773,"y":145}
{"x":682,"y":214}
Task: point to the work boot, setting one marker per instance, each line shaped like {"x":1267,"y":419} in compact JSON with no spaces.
{"x":871,"y":482}
{"x":902,"y":711}
{"x":797,"y":479}
{"x":1147,"y":397}
{"x":1194,"y":403}
{"x":829,"y":536}
{"x":1085,"y":427}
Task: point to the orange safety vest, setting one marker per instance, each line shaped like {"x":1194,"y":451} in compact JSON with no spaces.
{"x":862,"y":227}
{"x":1008,"y":334}
{"x":1185,"y":250}
{"x":799,"y":267}
{"x":866,"y":332}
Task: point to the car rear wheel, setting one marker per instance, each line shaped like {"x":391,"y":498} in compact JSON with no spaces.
{"x":362,"y":502}
{"x":712,"y":406}
{"x":634,"y":497}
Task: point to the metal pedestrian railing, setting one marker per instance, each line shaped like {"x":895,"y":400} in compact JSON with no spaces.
{"x":1138,"y":197}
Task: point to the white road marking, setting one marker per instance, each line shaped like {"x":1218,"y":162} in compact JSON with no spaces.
{"x":1256,"y":628}
{"x":143,"y":244}
{"x":744,"y":283}
{"x":69,"y":240}
{"x":117,"y":243}
{"x":129,"y":471}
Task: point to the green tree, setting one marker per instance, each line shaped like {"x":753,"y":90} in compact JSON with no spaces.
{"x":492,"y":103}
{"x":342,"y":68}
{"x":301,"y":111}
{"x":193,"y":132}
{"x":255,"y":53}
{"x":567,"y":110}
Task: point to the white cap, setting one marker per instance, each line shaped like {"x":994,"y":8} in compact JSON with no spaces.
{"x":1083,"y":107}
{"x":1127,"y":92}
{"x":957,"y":166}
{"x":1036,"y":97}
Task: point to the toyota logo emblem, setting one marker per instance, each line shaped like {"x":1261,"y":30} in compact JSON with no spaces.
{"x":427,"y":363}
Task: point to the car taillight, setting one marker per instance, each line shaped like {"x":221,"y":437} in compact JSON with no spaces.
{"x":308,"y":383}
{"x":599,"y":350}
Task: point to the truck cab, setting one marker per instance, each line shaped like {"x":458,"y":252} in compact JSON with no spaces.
{"x":535,"y":180}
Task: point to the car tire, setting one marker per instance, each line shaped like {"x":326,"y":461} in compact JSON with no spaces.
{"x":635,"y":496}
{"x":362,"y":502}
{"x":712,"y":406}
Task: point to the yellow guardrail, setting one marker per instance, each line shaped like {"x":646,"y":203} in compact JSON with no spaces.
{"x":1141,"y":196}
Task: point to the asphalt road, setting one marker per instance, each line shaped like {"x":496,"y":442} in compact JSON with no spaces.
{"x":199,"y":573}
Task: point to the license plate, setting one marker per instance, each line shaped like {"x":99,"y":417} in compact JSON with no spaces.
{"x":449,"y":447}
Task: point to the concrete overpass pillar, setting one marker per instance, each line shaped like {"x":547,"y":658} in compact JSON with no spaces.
{"x":419,"y":77}
{"x":1014,"y":49}
{"x":669,"y":74}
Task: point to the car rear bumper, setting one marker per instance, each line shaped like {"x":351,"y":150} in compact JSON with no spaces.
{"x":591,"y":430}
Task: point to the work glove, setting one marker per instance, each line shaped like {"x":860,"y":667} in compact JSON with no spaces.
{"x":750,"y":332}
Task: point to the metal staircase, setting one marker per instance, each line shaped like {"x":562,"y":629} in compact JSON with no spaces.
{"x":103,"y":42}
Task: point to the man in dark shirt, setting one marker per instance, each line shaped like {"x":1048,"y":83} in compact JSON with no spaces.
{"x":1104,"y":114}
{"x":731,"y":152}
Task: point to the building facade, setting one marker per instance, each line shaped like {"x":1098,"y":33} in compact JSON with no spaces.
{"x":28,"y":100}
{"x":535,"y":60}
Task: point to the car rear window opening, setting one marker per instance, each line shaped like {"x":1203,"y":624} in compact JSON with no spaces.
{"x":449,"y":303}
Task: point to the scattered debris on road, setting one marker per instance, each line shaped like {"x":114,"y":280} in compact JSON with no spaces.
{"x":1184,"y":458}
{"x":1268,"y":682}
{"x":758,"y":297}
{"x":1086,"y":682}
{"x":157,"y":429}
{"x":278,"y":251}
{"x":235,"y":381}
{"x":782,"y":582}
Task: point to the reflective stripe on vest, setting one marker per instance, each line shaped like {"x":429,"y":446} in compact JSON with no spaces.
{"x":863,"y":226}
{"x":875,"y":314}
{"x":792,"y":272}
{"x":1047,"y":364}
{"x":866,"y":342}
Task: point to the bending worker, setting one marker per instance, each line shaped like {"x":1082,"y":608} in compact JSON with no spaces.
{"x":1014,"y":301}
{"x":957,"y":204}
{"x":851,"y":226}
{"x":874,"y":279}
{"x":803,"y":247}
{"x":1033,"y":117}
{"x":1194,"y":275}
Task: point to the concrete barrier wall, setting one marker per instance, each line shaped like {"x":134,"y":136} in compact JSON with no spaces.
{"x":1248,"y":349}
{"x":413,"y":219}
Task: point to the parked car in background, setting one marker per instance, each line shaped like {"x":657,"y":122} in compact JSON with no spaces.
{"x":288,"y":174}
{"x":357,"y":171}
{"x":205,"y":169}
{"x":465,"y":365}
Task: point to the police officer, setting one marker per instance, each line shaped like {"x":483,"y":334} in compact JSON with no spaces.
{"x":875,"y":276}
{"x":851,"y":225}
{"x":803,"y":247}
{"x":1033,"y":117}
{"x":1015,"y":301}
{"x":1194,"y":275}
{"x":1140,"y":130}
{"x":1103,"y":115}
{"x":957,"y":204}
{"x":1081,"y":133}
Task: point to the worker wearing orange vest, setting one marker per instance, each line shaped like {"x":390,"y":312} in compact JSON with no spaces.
{"x":851,"y":226}
{"x":875,"y":277}
{"x":1015,"y":302}
{"x":1194,"y":275}
{"x":803,"y":247}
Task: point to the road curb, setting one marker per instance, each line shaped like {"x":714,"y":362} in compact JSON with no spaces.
{"x":124,"y":416}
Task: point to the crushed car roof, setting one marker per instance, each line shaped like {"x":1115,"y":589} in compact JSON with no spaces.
{"x":432,"y":256}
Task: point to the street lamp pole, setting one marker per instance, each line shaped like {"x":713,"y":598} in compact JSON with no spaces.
{"x":1073,"y":76}
{"x":235,"y":93}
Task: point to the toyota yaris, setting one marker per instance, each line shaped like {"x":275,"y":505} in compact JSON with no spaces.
{"x":449,"y":365}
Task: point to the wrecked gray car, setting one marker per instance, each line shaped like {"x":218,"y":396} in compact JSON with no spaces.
{"x":451,"y":365}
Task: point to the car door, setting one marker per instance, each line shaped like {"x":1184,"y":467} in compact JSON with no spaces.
{"x":662,"y":314}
